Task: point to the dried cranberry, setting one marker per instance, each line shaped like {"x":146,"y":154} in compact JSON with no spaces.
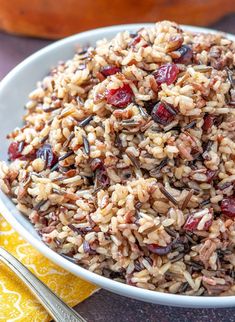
{"x":110,"y":70}
{"x":15,"y":149}
{"x":186,"y":55}
{"x":208,"y":122}
{"x":96,"y":163}
{"x":163,"y":113}
{"x":211,"y":174}
{"x":192,"y":223}
{"x":120,"y":97}
{"x":228,"y":206}
{"x":46,"y":153}
{"x":159,"y":250}
{"x":166,"y":73}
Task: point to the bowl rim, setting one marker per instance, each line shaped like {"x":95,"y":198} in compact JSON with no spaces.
{"x":109,"y":284}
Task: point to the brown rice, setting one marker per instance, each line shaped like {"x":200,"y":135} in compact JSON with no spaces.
{"x":125,"y":172}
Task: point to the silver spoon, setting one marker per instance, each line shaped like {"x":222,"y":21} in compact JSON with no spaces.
{"x":60,"y":311}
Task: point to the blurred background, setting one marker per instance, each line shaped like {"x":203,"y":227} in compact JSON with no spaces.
{"x":54,"y":19}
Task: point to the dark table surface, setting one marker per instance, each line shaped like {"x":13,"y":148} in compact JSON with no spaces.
{"x":104,"y":306}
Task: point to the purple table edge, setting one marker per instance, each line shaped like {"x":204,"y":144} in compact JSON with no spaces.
{"x":103,"y":305}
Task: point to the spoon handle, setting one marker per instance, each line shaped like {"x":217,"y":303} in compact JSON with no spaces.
{"x":60,"y":311}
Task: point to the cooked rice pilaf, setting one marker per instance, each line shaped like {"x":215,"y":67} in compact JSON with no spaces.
{"x":126,"y":161}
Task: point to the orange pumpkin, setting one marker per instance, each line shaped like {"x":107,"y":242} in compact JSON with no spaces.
{"x":59,"y":18}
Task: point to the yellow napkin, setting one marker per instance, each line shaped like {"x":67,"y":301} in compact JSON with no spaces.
{"x":16,"y":301}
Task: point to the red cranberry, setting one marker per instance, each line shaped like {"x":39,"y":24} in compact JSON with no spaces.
{"x":15,"y":149}
{"x":120,"y":97}
{"x":208,"y":122}
{"x":211,"y":174}
{"x":46,"y":153}
{"x":110,"y":70}
{"x":228,"y":206}
{"x":192,"y":223}
{"x":163,"y":113}
{"x":186,"y":55}
{"x":166,"y":73}
{"x":159,"y":250}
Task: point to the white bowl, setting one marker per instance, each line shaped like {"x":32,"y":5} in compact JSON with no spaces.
{"x":14,"y":90}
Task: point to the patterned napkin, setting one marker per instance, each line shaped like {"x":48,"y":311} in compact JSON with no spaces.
{"x":16,"y":302}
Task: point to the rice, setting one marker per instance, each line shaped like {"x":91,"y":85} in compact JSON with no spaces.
{"x":126,"y":160}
